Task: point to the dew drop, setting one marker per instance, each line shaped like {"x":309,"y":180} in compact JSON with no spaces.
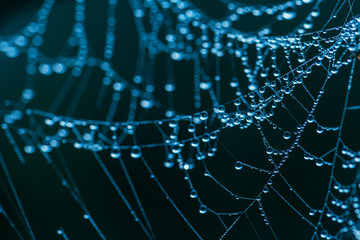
{"x":193,"y":193}
{"x":238,"y":165}
{"x":202,"y":209}
{"x":319,"y":129}
{"x":60,"y":231}
{"x":169,"y":163}
{"x":203,"y":115}
{"x":312,"y":212}
{"x":323,"y":234}
{"x":289,"y":13}
{"x":319,"y":162}
{"x":176,"y":148}
{"x":115,"y":152}
{"x":191,"y":127}
{"x":310,"y":118}
{"x":135,"y":152}
{"x":195,"y":142}
{"x":286,"y":135}
{"x":30,"y":149}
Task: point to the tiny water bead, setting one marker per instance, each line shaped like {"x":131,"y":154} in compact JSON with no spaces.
{"x":170,"y":87}
{"x":238,"y":165}
{"x":195,"y":142}
{"x":269,"y":150}
{"x":135,"y":152}
{"x":30,"y":149}
{"x":213,"y":135}
{"x":319,"y":162}
{"x":205,"y":138}
{"x":203,"y":209}
{"x":310,"y":118}
{"x":45,"y":148}
{"x":147,"y":103}
{"x":323,"y":234}
{"x":319,"y":129}
{"x":286,"y":135}
{"x":203,"y":115}
{"x":289,"y":13}
{"x":28,"y":94}
{"x":176,"y":149}
{"x":191,"y":128}
{"x":312,"y":212}
{"x":115,"y":152}
{"x":189,"y":164}
{"x":169,"y":163}
{"x":193,"y":193}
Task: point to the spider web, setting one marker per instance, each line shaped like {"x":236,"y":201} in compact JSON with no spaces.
{"x":164,"y":119}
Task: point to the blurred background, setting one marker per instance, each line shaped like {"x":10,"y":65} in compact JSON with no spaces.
{"x":49,"y":205}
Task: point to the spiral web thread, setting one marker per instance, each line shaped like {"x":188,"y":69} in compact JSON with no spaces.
{"x":271,"y":87}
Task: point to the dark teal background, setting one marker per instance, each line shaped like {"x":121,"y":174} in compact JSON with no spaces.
{"x":49,"y":206}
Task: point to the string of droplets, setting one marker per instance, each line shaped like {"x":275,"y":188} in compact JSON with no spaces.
{"x":90,"y":135}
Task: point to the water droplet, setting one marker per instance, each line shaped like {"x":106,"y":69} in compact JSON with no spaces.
{"x":60,"y":231}
{"x":286,"y":135}
{"x":319,"y":162}
{"x":135,"y":152}
{"x":237,"y":102}
{"x":28,"y":94}
{"x":205,"y":85}
{"x":310,"y":118}
{"x":29,"y":149}
{"x":45,"y":148}
{"x":147,"y":103}
{"x":169,"y":87}
{"x":238,"y":165}
{"x":289,"y":13}
{"x":307,"y":156}
{"x":205,"y":137}
{"x":193,"y":193}
{"x":269,"y":150}
{"x":315,"y":12}
{"x":312,"y":212}
{"x":191,"y":127}
{"x":177,"y":56}
{"x":115,"y":153}
{"x":195,"y":142}
{"x":213,"y":135}
{"x":323,"y":234}
{"x":202,"y":209}
{"x":169,"y":163}
{"x":176,"y":148}
{"x":203,"y":115}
